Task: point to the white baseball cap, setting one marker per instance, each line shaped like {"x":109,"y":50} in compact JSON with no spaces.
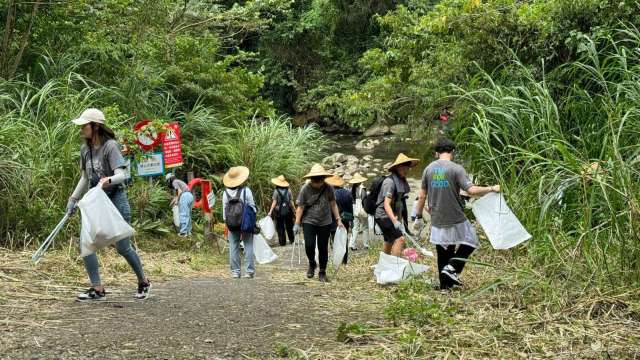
{"x":89,"y":116}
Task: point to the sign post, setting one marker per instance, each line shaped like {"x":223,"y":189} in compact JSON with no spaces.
{"x":151,"y":165}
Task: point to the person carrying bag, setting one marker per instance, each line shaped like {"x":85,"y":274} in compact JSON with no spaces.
{"x":282,"y":210}
{"x":239,"y":215}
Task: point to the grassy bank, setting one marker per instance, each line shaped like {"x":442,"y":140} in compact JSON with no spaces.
{"x":40,"y":151}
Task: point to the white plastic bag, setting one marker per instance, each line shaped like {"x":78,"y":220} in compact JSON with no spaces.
{"x":176,"y":215}
{"x":339,"y":247}
{"x":102,"y":224}
{"x":262,"y":251}
{"x":267,"y":228}
{"x":392,"y":269}
{"x":500,"y":224}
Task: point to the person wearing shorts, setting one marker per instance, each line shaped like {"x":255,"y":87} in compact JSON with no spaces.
{"x":389,"y":214}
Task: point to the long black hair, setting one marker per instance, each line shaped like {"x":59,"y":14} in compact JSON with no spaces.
{"x":100,"y":132}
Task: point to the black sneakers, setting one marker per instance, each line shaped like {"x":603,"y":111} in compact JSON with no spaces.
{"x":92,"y":295}
{"x":450,"y":273}
{"x":322,"y":276}
{"x":144,"y":290}
{"x":311,"y":272}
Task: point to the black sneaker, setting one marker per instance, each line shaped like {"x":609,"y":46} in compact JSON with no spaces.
{"x":92,"y":295}
{"x":322,"y":276}
{"x":311,"y":273}
{"x":144,"y":290}
{"x":450,"y":272}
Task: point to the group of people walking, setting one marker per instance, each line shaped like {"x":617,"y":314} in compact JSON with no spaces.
{"x":322,"y":205}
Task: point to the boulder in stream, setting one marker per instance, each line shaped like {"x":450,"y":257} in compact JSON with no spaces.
{"x":334,"y":159}
{"x":365,"y":144}
{"x":377,"y":130}
{"x":399,"y":129}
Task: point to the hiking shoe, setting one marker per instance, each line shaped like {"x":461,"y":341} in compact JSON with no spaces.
{"x":354,"y":249}
{"x":235,"y":275}
{"x":322,"y":276}
{"x":311,"y":273}
{"x":248,"y":276}
{"x":93,"y":295}
{"x":450,"y":272}
{"x":144,"y":290}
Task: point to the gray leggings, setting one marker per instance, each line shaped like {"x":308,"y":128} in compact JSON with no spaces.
{"x":123,"y":247}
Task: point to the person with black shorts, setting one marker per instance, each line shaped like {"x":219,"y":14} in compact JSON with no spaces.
{"x":389,"y":212}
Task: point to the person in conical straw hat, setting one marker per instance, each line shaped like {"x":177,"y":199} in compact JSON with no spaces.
{"x":442,"y":182}
{"x":236,"y":195}
{"x":360,"y":223}
{"x":282,"y":210}
{"x":316,"y":210}
{"x":102,"y":165}
{"x":390,"y":213}
{"x":345,"y":207}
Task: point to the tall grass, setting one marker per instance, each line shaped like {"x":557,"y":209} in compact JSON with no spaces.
{"x":40,"y":150}
{"x":568,"y":156}
{"x":273,"y":147}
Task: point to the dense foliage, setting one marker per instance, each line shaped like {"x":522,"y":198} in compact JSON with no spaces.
{"x":543,"y":94}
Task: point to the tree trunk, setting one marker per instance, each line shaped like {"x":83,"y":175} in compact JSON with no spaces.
{"x":8,"y":36}
{"x":25,"y":39}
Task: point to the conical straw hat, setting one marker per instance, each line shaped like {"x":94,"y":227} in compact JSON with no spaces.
{"x":403,"y":159}
{"x":236,"y":176}
{"x":280,"y":181}
{"x":357,"y":179}
{"x":335,"y":181}
{"x":317,"y":171}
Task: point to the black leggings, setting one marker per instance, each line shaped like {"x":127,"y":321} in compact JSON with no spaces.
{"x":284,"y":226}
{"x":446,"y":256}
{"x":319,"y":234}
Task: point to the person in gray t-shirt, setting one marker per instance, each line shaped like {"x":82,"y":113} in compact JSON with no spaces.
{"x":102,"y":165}
{"x":390,"y":212}
{"x":442,"y":181}
{"x":314,"y":216}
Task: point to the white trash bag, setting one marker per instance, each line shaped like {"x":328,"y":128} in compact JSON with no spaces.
{"x":392,"y":269}
{"x":262,"y":251}
{"x":176,"y":215}
{"x":339,"y":247}
{"x":102,"y":223}
{"x":267,"y":228}
{"x":502,"y":227}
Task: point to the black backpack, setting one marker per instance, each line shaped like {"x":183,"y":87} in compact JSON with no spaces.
{"x":234,"y":211}
{"x":370,"y":200}
{"x":283,"y":205}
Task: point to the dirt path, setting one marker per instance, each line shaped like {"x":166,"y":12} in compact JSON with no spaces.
{"x":203,"y":318}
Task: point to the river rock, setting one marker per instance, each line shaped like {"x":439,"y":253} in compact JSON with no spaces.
{"x":399,"y":129}
{"x":347,"y":177}
{"x":377,"y":130}
{"x":367,"y":158}
{"x":333,"y":159}
{"x":365,"y":144}
{"x":372,"y":174}
{"x":377,"y":161}
{"x":351,"y":159}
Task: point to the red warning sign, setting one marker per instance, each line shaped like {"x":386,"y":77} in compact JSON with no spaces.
{"x":171,"y":146}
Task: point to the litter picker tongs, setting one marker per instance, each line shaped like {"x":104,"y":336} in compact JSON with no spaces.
{"x":39,"y":254}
